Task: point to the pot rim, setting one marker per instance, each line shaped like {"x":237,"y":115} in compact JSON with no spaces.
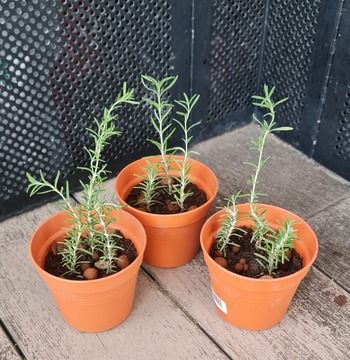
{"x":258,"y":280}
{"x":82,"y":282}
{"x":169,"y":216}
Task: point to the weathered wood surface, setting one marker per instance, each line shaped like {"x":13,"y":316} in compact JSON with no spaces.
{"x":156,"y":329}
{"x":314,"y":328}
{"x":332,"y":228}
{"x":7,"y":350}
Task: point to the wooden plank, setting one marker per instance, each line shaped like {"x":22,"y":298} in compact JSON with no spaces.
{"x":290,"y":179}
{"x":315,"y":326}
{"x":7,"y":350}
{"x":156,"y":328}
{"x":332,"y":228}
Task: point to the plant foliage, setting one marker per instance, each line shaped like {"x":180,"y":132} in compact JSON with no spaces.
{"x":89,"y":221}
{"x":272,"y":244}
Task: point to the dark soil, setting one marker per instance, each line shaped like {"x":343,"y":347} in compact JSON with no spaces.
{"x":249,"y":266}
{"x":53,"y":262}
{"x":165,"y":203}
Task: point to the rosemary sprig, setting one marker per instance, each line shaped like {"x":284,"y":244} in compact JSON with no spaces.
{"x":272,"y":243}
{"x":106,"y":129}
{"x":90,"y":220}
{"x":267,"y":127}
{"x":161,"y":110}
{"x":227,"y":227}
{"x":149,"y":185}
{"x":70,"y":255}
{"x":179,"y":189}
{"x":275,"y":246}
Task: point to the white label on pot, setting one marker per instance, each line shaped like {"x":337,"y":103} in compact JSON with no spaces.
{"x":219,"y":302}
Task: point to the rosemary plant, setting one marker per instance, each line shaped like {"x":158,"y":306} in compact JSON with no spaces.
{"x":90,"y":220}
{"x":275,"y":246}
{"x":271,"y":244}
{"x":71,"y":255}
{"x":267,"y":126}
{"x":179,"y":190}
{"x":148,"y":186}
{"x":162,"y":108}
{"x":227,"y":227}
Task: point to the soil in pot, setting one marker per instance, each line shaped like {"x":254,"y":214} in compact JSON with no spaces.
{"x":164,"y":203}
{"x":241,"y":259}
{"x":91,"y":267}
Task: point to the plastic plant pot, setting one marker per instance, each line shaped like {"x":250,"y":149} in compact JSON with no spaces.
{"x":256,"y":304}
{"x":93,"y":305}
{"x":172,"y":240}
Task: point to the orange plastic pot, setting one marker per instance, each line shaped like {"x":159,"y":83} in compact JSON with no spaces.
{"x":94,"y":305}
{"x":172,"y":240}
{"x":256,"y":304}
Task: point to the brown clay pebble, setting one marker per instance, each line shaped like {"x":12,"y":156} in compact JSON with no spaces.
{"x":83,"y":246}
{"x":140,"y":198}
{"x":238,"y":268}
{"x":90,"y":273}
{"x":221,"y":261}
{"x":84,"y":266}
{"x":235,"y":249}
{"x":57,"y":248}
{"x":172,"y":207}
{"x":242,"y":261}
{"x":100,"y":264}
{"x":289,"y":254}
{"x":164,"y":181}
{"x":340,"y":300}
{"x":54,"y":249}
{"x":218,"y":253}
{"x":266,"y":277}
{"x":245,"y":267}
{"x":192,"y":207}
{"x":122,"y":261}
{"x":95,"y":256}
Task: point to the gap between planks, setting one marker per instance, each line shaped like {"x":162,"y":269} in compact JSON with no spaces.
{"x":9,"y":349}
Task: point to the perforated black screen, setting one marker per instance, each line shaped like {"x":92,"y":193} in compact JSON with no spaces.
{"x":60,"y":63}
{"x":235,"y":49}
{"x":333,"y":140}
{"x":288,"y":57}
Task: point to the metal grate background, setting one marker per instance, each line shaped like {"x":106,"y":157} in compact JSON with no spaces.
{"x":60,"y":64}
{"x":288,"y":56}
{"x":235,"y":49}
{"x":62,"y":61}
{"x":333,"y":140}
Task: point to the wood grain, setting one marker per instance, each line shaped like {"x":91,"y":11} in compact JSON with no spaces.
{"x":156,"y":329}
{"x":7,"y":351}
{"x":314,"y":328}
{"x":332,"y":228}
